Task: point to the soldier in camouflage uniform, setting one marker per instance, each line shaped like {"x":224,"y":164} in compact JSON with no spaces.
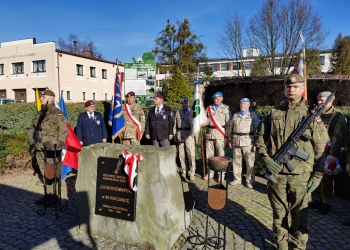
{"x":292,"y":191}
{"x":219,"y":116}
{"x":335,"y":123}
{"x":54,"y":128}
{"x":183,"y":138}
{"x":134,"y":121}
{"x":240,"y":134}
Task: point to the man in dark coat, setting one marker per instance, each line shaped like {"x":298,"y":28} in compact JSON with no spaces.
{"x":91,"y":127}
{"x":159,"y":124}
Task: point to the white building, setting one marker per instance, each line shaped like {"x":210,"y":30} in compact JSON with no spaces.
{"x":26,"y":65}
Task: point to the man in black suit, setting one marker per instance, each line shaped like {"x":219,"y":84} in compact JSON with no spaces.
{"x":159,"y":124}
{"x":91,"y":127}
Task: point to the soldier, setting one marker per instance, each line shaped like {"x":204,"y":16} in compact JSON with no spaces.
{"x":182,"y":137}
{"x":291,"y":192}
{"x":53,"y":128}
{"x":219,"y":116}
{"x":335,"y":123}
{"x":240,"y":134}
{"x":347,"y":222}
{"x":134,"y":121}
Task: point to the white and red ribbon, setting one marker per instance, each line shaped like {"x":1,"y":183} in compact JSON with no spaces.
{"x":335,"y":167}
{"x":215,"y":122}
{"x":134,"y":120}
{"x":130,"y":167}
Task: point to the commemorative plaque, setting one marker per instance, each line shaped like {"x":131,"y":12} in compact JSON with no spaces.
{"x":113,"y":196}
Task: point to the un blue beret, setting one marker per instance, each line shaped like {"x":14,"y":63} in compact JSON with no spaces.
{"x":217,"y":94}
{"x":244,"y":100}
{"x":185,"y":99}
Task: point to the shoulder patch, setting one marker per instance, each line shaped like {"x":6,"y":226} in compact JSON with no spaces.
{"x":319,"y":121}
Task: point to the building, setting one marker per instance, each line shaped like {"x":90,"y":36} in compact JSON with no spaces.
{"x":26,"y":65}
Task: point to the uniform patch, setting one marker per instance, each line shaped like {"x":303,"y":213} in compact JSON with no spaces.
{"x":319,"y":121}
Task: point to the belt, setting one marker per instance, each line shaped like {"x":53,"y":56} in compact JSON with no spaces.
{"x":215,"y":127}
{"x":183,"y":128}
{"x":251,"y":133}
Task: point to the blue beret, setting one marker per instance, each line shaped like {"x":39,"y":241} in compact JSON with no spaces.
{"x":217,"y":94}
{"x":185,"y":99}
{"x":244,"y":100}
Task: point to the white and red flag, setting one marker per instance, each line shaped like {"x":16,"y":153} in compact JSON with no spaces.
{"x":130,"y":168}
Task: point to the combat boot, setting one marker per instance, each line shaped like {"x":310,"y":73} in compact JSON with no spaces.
{"x":315,"y":204}
{"x":325,"y":208}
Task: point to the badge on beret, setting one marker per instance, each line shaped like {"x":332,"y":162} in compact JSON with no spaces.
{"x":292,"y":79}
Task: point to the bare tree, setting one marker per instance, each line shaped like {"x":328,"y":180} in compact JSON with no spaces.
{"x":74,"y":45}
{"x":231,"y":41}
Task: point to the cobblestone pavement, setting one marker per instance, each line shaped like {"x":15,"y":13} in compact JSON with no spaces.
{"x":248,"y":217}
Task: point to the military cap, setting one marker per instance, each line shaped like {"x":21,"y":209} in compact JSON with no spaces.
{"x":217,"y":94}
{"x":185,"y":99}
{"x":159,"y":96}
{"x":47,"y":92}
{"x":325,"y":94}
{"x":130,"y":94}
{"x":293,"y":78}
{"x":89,"y":103}
{"x":244,"y":100}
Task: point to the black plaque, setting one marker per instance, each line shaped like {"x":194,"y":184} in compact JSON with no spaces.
{"x":113,"y":196}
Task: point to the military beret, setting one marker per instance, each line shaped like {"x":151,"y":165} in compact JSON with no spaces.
{"x":293,"y":78}
{"x":47,"y":92}
{"x":244,"y":100}
{"x":217,"y":94}
{"x":325,"y":94}
{"x":185,"y":99}
{"x":130,"y":94}
{"x":159,"y":96}
{"x":89,"y":103}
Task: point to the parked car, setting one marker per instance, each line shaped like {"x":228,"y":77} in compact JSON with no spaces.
{"x":5,"y":100}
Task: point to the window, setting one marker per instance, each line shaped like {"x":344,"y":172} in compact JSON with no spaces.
{"x":104,"y":74}
{"x":92,"y":72}
{"x":224,"y":66}
{"x":160,"y":83}
{"x":213,"y":66}
{"x":201,"y":67}
{"x":18,"y":68}
{"x":84,"y":96}
{"x":80,"y":70}
{"x":39,"y":66}
{"x":68,"y":95}
{"x":1,"y":69}
{"x":322,"y":58}
{"x":277,"y":63}
{"x":106,"y":95}
{"x":94,"y":96}
{"x":248,"y":64}
{"x":236,"y":65}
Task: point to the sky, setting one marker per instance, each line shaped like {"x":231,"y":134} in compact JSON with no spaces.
{"x":125,"y":29}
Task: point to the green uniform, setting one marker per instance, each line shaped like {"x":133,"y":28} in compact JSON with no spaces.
{"x":53,"y":128}
{"x":335,"y":122}
{"x":130,"y":134}
{"x":290,"y":192}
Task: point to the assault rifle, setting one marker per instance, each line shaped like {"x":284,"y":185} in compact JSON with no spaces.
{"x":288,"y":150}
{"x":38,"y":128}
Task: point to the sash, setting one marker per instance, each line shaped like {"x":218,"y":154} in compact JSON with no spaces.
{"x":130,"y":168}
{"x":134,"y":120}
{"x":215,"y":122}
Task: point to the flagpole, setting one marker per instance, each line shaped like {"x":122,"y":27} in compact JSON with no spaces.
{"x":203,"y":154}
{"x":304,"y":65}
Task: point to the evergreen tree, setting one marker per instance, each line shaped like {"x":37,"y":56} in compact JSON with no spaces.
{"x":313,"y":62}
{"x":340,"y":58}
{"x":177,"y":88}
{"x":208,"y":74}
{"x":260,"y":67}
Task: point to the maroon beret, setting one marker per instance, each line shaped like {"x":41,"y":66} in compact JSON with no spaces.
{"x":89,"y":103}
{"x":47,"y":92}
{"x":159,"y":96}
{"x":130,"y":94}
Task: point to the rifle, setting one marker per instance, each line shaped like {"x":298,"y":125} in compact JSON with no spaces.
{"x":38,"y":128}
{"x":288,"y":150}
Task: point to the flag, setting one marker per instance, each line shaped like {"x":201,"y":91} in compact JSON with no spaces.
{"x":71,"y":147}
{"x":198,"y":112}
{"x":37,"y":100}
{"x":300,"y":67}
{"x":116,"y":117}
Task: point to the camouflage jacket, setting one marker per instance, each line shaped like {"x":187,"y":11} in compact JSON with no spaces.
{"x":182,"y":125}
{"x":278,"y":123}
{"x":53,"y":127}
{"x":222,"y":115}
{"x":242,"y":127}
{"x":335,"y":122}
{"x":130,"y":128}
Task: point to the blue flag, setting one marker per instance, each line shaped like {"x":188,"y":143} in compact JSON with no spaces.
{"x":116,"y":117}
{"x":63,"y":106}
